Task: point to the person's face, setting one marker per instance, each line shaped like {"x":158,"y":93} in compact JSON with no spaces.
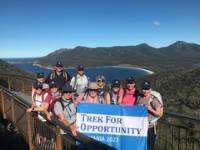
{"x":59,"y":69}
{"x":93,"y":93}
{"x":54,"y":89}
{"x":115,"y":89}
{"x":80,"y":72}
{"x":131,"y":86}
{"x":38,"y":91}
{"x":100,"y":82}
{"x":67,"y":95}
{"x":146,"y":92}
{"x":41,"y":80}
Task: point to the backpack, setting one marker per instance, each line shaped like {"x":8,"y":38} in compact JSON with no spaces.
{"x":157,"y":95}
{"x":53,"y":75}
{"x":63,"y":106}
{"x":76,"y":82}
{"x":111,"y":99}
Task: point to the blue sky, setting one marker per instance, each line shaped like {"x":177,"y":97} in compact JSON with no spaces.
{"x":32,"y":28}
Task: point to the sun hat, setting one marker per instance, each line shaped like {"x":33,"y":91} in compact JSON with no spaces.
{"x":93,"y":86}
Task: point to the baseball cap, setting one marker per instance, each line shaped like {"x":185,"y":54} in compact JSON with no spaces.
{"x":146,"y":85}
{"x":59,"y":64}
{"x":40,"y":75}
{"x":53,"y":84}
{"x":38,"y":85}
{"x":116,"y":83}
{"x":80,"y":67}
{"x":130,"y":80}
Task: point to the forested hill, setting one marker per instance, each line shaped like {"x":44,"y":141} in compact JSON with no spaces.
{"x":177,"y":54}
{"x":6,"y":68}
{"x":180,"y":89}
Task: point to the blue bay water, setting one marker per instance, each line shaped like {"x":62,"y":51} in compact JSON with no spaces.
{"x":109,"y":72}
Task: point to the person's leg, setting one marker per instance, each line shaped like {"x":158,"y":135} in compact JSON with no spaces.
{"x":151,"y":139}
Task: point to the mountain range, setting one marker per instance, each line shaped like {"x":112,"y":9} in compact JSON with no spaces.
{"x":177,"y":54}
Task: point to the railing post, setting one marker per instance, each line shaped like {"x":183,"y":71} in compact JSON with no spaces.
{"x":13,"y":109}
{"x":23,"y":87}
{"x":58,"y":139}
{"x":29,"y":130}
{"x":9,"y":84}
{"x":3,"y":104}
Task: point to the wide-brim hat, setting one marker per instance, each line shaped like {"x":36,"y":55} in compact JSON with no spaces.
{"x":93,"y":86}
{"x":67,"y":88}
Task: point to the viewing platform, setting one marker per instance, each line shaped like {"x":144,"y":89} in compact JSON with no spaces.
{"x":175,"y":131}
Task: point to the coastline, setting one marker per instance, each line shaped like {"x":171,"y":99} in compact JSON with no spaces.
{"x":128,"y":67}
{"x":132,"y":67}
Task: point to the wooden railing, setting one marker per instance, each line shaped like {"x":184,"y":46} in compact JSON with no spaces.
{"x":175,"y":131}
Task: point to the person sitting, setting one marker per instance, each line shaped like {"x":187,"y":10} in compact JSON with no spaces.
{"x":65,"y":110}
{"x":103,"y":88}
{"x":80,"y":81}
{"x":91,"y":95}
{"x":115,"y":95}
{"x":59,"y":75}
{"x":153,"y":106}
{"x":130,"y":92}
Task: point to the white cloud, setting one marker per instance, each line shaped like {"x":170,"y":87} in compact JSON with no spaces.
{"x":156,"y":23}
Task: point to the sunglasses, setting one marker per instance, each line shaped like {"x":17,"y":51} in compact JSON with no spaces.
{"x":145,"y":89}
{"x":68,"y":92}
{"x":93,"y":90}
{"x":100,"y":81}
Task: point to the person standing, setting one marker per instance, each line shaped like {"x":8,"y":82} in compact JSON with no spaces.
{"x":65,"y":110}
{"x":115,"y":95}
{"x":39,"y":79}
{"x":80,"y":81}
{"x":91,"y":95}
{"x":59,"y":75}
{"x":103,"y":88}
{"x":153,"y":106}
{"x":130,"y":92}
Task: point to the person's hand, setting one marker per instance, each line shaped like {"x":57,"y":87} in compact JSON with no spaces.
{"x":49,"y":116}
{"x":73,"y":129}
{"x":149,"y":107}
{"x":29,"y":110}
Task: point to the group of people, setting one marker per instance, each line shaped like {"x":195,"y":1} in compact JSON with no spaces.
{"x":59,"y":93}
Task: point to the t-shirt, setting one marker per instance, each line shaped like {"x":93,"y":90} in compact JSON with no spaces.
{"x":60,"y":79}
{"x":79,"y":83}
{"x":69,"y":110}
{"x":129,"y":98}
{"x":153,"y":101}
{"x":115,"y":97}
{"x":50,"y":100}
{"x":39,"y":99}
